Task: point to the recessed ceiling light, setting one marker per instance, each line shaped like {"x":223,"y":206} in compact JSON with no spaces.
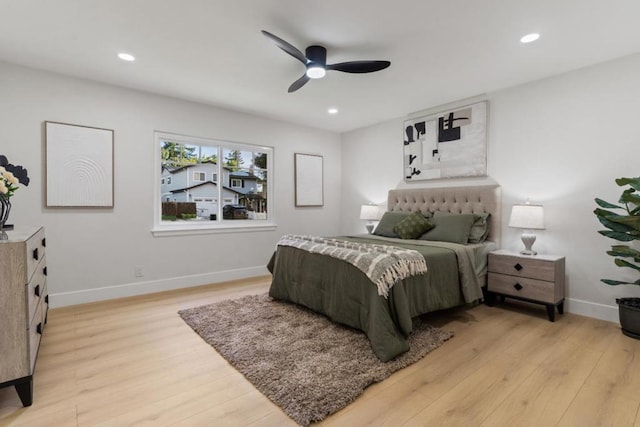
{"x":126,"y":57}
{"x":332,"y":111}
{"x":529,"y":38}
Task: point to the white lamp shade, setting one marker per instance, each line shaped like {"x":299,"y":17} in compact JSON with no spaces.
{"x":527,"y":216}
{"x":370,"y":212}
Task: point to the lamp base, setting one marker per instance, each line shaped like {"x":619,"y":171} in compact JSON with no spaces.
{"x":528,"y":239}
{"x":370,"y":227}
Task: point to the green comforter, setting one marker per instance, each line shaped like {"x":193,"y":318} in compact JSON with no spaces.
{"x":340,"y":291}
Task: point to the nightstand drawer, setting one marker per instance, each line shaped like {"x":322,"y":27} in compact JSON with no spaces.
{"x":522,"y":287}
{"x":523,"y":267}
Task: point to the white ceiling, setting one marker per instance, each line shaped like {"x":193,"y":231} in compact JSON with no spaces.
{"x":212,"y":51}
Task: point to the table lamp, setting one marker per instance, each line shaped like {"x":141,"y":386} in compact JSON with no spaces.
{"x":370,"y":213}
{"x":528,"y":217}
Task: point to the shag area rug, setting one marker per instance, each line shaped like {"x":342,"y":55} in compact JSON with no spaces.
{"x":306,"y":364}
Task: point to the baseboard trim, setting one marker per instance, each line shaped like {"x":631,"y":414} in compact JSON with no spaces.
{"x":592,"y":309}
{"x":64,"y":299}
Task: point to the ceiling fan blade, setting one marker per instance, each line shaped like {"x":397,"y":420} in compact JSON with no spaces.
{"x":359,"y":66}
{"x":298,"y":83}
{"x":291,"y":50}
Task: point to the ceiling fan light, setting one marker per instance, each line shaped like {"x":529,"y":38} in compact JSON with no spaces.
{"x":316,"y":72}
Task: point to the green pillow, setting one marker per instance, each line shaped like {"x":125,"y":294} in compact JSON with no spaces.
{"x":450,"y":227}
{"x":413,"y":226}
{"x":387,"y":222}
{"x":480,"y":228}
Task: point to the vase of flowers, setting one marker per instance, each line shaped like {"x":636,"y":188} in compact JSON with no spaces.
{"x":10,"y":177}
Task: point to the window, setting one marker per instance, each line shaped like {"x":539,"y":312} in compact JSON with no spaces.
{"x":190,"y":205}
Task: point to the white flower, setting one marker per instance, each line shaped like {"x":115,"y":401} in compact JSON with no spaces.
{"x":9,"y":182}
{"x":10,"y":178}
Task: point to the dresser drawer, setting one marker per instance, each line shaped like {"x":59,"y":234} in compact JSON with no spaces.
{"x":35,"y":251}
{"x":523,"y":267}
{"x":522,"y":287}
{"x":36,"y":288}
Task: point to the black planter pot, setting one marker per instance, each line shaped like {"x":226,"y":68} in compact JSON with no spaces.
{"x":629,"y":311}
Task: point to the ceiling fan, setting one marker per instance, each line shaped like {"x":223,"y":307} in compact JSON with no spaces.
{"x":315,"y":60}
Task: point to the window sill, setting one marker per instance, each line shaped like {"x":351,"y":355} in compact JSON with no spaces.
{"x":196,"y":229}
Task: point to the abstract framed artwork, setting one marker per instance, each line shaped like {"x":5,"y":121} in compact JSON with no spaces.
{"x":79,"y":166}
{"x":308,"y":180}
{"x":449,"y":144}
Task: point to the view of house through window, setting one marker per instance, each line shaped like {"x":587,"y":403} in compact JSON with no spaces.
{"x":219,"y":182}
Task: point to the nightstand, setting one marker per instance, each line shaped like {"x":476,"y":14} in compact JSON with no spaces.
{"x":538,"y":279}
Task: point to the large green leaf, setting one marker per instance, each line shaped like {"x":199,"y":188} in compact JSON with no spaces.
{"x":617,"y":282}
{"x":620,"y":228}
{"x":622,"y":237}
{"x":633,"y":182}
{"x":622,"y":263}
{"x":623,"y":251}
{"x":630,"y":196}
{"x":630,"y":221}
{"x":611,"y":219}
{"x":606,"y":214}
{"x":603,"y":217}
{"x":607,"y":205}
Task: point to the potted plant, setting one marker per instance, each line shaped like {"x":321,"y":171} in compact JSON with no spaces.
{"x":624,"y":227}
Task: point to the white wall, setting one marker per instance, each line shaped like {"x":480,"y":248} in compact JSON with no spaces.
{"x":560,"y":142}
{"x":91,"y":253}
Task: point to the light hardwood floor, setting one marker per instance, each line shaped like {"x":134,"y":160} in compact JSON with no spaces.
{"x":133,"y":361}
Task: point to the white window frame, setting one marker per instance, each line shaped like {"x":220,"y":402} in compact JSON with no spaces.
{"x":200,"y":174}
{"x":169,"y":228}
{"x":235,"y":182}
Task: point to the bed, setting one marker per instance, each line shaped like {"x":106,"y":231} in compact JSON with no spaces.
{"x":455,"y":273}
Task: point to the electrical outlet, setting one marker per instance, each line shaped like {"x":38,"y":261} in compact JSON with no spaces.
{"x":139,"y":271}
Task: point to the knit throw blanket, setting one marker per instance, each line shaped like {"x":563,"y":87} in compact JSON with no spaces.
{"x":384,"y":265}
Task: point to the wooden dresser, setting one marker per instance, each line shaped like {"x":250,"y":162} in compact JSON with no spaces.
{"x":24,"y":301}
{"x":538,"y":279}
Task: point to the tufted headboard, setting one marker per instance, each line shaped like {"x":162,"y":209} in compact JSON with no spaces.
{"x":473,"y":199}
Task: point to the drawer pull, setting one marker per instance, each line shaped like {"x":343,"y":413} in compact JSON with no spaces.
{"x":518,"y":286}
{"x":44,"y":242}
{"x":518,"y":267}
{"x":35,"y":254}
{"x":46,"y":299}
{"x":39,"y":328}
{"x":37,"y":290}
{"x":44,"y":271}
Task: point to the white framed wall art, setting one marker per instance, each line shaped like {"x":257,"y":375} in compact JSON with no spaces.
{"x":79,"y":165}
{"x":452,"y":143}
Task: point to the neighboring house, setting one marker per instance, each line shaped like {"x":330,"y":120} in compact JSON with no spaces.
{"x":252,"y":189}
{"x":198,"y":182}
